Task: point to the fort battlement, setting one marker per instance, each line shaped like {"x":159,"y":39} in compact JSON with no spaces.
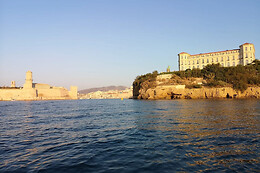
{"x":36,"y":91}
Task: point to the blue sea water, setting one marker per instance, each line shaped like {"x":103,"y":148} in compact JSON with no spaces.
{"x":130,"y":136}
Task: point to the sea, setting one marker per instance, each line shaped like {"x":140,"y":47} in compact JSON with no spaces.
{"x":130,"y":136}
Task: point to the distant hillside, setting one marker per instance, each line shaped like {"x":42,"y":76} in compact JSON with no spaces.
{"x":86,"y":91}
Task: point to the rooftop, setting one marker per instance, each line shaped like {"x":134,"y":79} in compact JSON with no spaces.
{"x":214,"y":52}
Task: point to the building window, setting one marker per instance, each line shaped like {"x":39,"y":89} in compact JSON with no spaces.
{"x":222,"y":59}
{"x":250,"y":48}
{"x":203,"y":66}
{"x":234,"y":64}
{"x":193,"y":67}
{"x":233,"y":57}
{"x":189,"y":62}
{"x":198,"y":66}
{"x":193,"y":62}
{"x":246,"y":48}
{"x":228,"y":58}
{"x":207,"y":60}
{"x":202,"y":60}
{"x":246,"y":55}
{"x":197,"y":61}
{"x":217,"y":60}
{"x":212,"y":60}
{"x":222,"y":64}
{"x":228,"y":64}
{"x":246,"y":61}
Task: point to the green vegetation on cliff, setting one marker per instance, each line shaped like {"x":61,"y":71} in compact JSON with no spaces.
{"x":149,"y":79}
{"x":239,"y":77}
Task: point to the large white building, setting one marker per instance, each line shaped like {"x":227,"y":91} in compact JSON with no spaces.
{"x":244,"y":55}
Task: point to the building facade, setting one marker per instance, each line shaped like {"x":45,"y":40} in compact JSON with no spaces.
{"x":243,"y":56}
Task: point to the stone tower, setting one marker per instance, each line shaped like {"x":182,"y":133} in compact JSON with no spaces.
{"x":73,"y":93}
{"x":13,"y":84}
{"x":28,"y":80}
{"x":246,"y":53}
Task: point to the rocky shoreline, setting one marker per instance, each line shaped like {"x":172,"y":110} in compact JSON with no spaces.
{"x":175,"y":92}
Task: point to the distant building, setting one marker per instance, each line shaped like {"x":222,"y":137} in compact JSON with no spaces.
{"x":243,"y":56}
{"x":111,"y":94}
{"x":36,"y":91}
{"x":13,"y":84}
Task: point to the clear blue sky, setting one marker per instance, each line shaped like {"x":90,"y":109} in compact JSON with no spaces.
{"x":109,"y":42}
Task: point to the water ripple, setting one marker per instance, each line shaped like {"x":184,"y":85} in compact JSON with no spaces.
{"x":130,"y":136}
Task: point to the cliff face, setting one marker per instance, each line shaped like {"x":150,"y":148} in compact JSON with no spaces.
{"x":173,"y":92}
{"x":213,"y":81}
{"x":174,"y":87}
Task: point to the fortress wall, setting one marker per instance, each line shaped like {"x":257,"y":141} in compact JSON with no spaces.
{"x":10,"y":94}
{"x":55,"y":93}
{"x":163,"y":76}
{"x":73,"y":93}
{"x":17,"y":94}
{"x":37,"y":91}
{"x":42,"y":86}
{"x":28,"y":94}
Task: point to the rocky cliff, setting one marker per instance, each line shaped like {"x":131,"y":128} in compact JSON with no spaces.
{"x":173,"y":92}
{"x":171,"y":86}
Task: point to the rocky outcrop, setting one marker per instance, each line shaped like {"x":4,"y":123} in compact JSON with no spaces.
{"x":175,"y":92}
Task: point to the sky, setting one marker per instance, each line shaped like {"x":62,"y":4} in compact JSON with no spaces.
{"x":95,"y":43}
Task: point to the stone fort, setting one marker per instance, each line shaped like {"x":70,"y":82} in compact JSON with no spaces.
{"x":36,"y":91}
{"x":242,"y":56}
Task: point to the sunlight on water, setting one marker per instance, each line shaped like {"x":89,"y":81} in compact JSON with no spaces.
{"x":129,"y":136}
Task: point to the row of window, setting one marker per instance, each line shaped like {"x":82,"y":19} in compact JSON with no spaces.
{"x":222,"y":59}
{"x":185,"y":57}
{"x":202,"y":56}
{"x":222,"y":64}
{"x":212,"y":60}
